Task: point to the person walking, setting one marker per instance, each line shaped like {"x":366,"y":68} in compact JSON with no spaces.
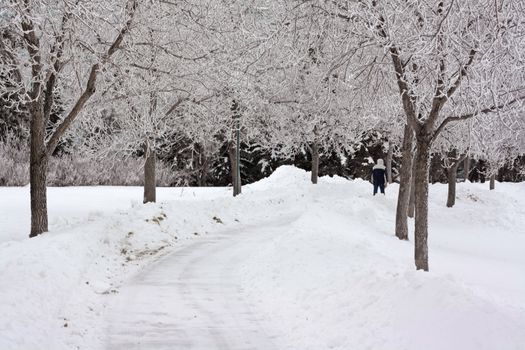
{"x":379,"y":176}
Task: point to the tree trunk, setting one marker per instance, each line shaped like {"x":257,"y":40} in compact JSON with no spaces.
{"x":38,"y":171}
{"x":239,"y":183}
{"x":482,"y":168}
{"x":314,"y":150}
{"x":451,"y":178}
{"x":389,"y":162}
{"x":466,"y":168}
{"x":233,"y":168}
{"x":150,"y":181}
{"x":492,"y":181}
{"x":404,"y":185}
{"x":422,"y":160}
{"x":500,"y":175}
{"x":238,"y":163}
{"x":202,"y":177}
{"x":412,"y":201}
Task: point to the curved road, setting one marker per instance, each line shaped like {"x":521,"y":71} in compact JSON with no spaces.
{"x":192,"y":299}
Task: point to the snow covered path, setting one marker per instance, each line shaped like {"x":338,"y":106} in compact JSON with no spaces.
{"x":285,"y":266}
{"x":192,"y":299}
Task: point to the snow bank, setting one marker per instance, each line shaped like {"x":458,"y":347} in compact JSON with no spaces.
{"x":291,"y":178}
{"x":338,"y":279}
{"x":71,"y":206}
{"x":283,"y":176}
{"x":57,"y":285}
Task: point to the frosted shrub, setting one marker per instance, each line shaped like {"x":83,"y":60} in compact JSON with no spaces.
{"x":77,"y":169}
{"x":14,"y":163}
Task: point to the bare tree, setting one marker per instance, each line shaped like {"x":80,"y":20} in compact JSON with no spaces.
{"x":498,"y":141}
{"x":431,"y":61}
{"x":76,"y":41}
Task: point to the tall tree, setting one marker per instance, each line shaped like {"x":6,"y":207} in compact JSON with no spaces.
{"x":441,"y":56}
{"x":76,"y":42}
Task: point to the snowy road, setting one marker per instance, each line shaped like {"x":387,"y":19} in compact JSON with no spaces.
{"x":192,"y":299}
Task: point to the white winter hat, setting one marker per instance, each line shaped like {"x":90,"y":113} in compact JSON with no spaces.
{"x":380,"y":162}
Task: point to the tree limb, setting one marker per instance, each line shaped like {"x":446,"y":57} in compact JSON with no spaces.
{"x":91,"y":83}
{"x":462,"y":73}
{"x":495,"y":108}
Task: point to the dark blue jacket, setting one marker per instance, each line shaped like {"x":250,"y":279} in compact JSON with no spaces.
{"x":378,"y":175}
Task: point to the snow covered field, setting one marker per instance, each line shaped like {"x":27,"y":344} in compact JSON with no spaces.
{"x":287,"y":265}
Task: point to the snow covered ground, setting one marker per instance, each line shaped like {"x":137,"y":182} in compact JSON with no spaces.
{"x":287,"y":265}
{"x":69,"y":206}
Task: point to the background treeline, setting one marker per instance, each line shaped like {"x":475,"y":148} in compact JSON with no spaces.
{"x":184,"y":164}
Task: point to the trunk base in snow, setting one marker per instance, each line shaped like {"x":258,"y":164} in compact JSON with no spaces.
{"x":150,"y":183}
{"x":405,"y":175}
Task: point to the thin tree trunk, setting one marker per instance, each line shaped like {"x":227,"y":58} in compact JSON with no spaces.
{"x":150,"y":181}
{"x":500,"y":175}
{"x":239,"y":184}
{"x":315,"y":162}
{"x":452,"y":172}
{"x":466,"y":168}
{"x":451,"y":177}
{"x":235,"y":149}
{"x":38,"y":172}
{"x":238,"y":164}
{"x":482,"y":168}
{"x":422,"y":160}
{"x":203,"y":173}
{"x":389,"y":157}
{"x":233,"y":168}
{"x":197,"y":160}
{"x":404,"y":185}
{"x":412,"y":201}
{"x":492,"y":182}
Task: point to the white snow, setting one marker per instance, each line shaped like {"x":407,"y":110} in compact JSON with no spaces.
{"x":68,"y":206}
{"x":302,"y":266}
